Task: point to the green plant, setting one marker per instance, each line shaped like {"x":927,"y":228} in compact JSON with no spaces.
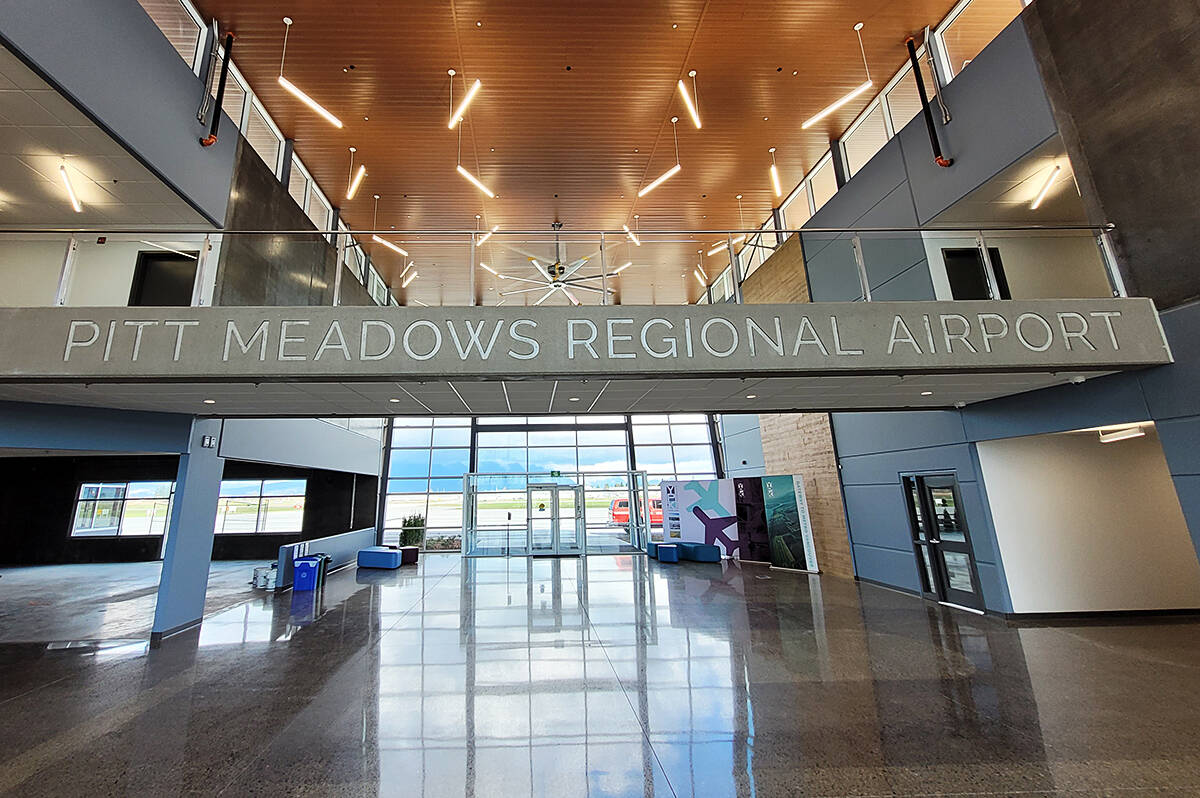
{"x":412,"y":530}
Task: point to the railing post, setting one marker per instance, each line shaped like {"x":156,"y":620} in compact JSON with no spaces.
{"x":989,"y":268}
{"x":471,"y":273}
{"x":603,"y":272}
{"x":864,"y":281}
{"x":67,"y":272}
{"x":1108,"y":256}
{"x":733,"y":271}
{"x":200,"y":287}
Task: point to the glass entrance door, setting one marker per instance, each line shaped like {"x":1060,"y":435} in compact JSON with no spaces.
{"x":555,"y":514}
{"x":941,"y":540}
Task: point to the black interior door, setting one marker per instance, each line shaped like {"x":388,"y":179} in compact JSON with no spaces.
{"x":163,"y":280}
{"x":967,"y":273}
{"x":941,"y":540}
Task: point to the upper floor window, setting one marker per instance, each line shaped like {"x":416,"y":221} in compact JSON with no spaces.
{"x":970,"y":27}
{"x":181,"y":27}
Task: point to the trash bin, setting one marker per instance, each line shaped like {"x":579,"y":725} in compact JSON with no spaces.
{"x":306,"y":573}
{"x":326,"y":560}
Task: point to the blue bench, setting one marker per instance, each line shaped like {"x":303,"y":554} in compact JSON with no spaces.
{"x":696,"y":552}
{"x":378,"y":557}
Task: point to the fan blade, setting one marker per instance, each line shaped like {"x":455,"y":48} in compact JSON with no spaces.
{"x":526,"y":280}
{"x":545,"y":296}
{"x":538,"y":287}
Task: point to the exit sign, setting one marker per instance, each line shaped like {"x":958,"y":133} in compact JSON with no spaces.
{"x":556,"y":473}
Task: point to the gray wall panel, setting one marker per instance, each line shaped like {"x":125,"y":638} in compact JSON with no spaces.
{"x":34,"y":426}
{"x":911,"y":284}
{"x":305,"y":442}
{"x":1180,"y":438}
{"x":877,"y":516}
{"x":991,"y":582}
{"x":866,"y":433}
{"x":878,"y":178}
{"x":1175,"y":390}
{"x":1187,"y":487}
{"x":1000,"y":113}
{"x":1106,"y":400}
{"x":884,"y":468}
{"x":113,"y":62}
{"x":896,"y":568}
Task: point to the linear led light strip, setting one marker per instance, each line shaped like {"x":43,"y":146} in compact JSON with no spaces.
{"x":620,"y":269}
{"x":356,"y":178}
{"x":389,"y":245}
{"x":457,"y":115}
{"x":629,"y":233}
{"x":674,"y":170}
{"x":775,"y":175}
{"x":479,"y":243}
{"x":294,"y":90}
{"x":1135,"y":431}
{"x":855,"y":93}
{"x":687,"y":99}
{"x":721,"y":247}
{"x":406,"y":268}
{"x":1046,"y":188}
{"x":62,"y":171}
{"x":475,"y":181}
{"x":700,"y":277}
{"x":409,"y":279}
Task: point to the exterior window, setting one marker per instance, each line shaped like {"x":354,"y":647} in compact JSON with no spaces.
{"x":268,"y":506}
{"x":864,"y":139}
{"x":903,"y":99}
{"x":678,"y":446}
{"x":236,"y":92}
{"x":795,"y":208}
{"x":263,"y":137}
{"x":823,"y":182}
{"x":178,"y":25}
{"x":971,"y":27}
{"x":125,"y":509}
{"x":318,"y":209}
{"x":298,"y":184}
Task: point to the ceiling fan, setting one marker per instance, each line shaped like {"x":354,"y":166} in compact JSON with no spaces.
{"x":557,"y":276}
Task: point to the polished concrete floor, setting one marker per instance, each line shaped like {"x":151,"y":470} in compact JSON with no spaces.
{"x":109,"y":601}
{"x":610,"y":676}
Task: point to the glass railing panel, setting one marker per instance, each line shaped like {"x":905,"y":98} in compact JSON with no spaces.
{"x":973,"y":28}
{"x":833,"y":274}
{"x":1049,"y":264}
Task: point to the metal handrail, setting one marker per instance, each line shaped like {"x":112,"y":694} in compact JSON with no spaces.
{"x":549,"y":233}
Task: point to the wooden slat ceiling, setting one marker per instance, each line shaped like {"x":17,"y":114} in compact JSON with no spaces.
{"x":574,"y":145}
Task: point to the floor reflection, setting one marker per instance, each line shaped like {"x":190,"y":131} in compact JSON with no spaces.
{"x":605,"y":676}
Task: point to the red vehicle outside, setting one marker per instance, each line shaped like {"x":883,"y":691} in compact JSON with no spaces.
{"x":618,"y":512}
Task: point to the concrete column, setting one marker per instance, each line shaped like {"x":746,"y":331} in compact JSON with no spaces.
{"x":184,"y":580}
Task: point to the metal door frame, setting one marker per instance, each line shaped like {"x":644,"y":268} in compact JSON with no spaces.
{"x":556,"y":521}
{"x":941,"y":591}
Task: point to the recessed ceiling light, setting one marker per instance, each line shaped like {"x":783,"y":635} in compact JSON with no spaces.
{"x":573,"y":399}
{"x":926,"y":393}
{"x":674,"y":25}
{"x":210,"y":401}
{"x":479,"y":23}
{"x":751,"y":396}
{"x":393,"y":400}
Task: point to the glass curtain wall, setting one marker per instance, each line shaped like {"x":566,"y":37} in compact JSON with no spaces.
{"x":429,"y":456}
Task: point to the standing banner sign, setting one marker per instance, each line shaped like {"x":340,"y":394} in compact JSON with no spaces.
{"x":700,"y":511}
{"x":754,"y":543}
{"x":788,"y":526}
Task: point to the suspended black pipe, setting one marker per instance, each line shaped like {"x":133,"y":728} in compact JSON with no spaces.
{"x":211,"y":138}
{"x":933,"y":137}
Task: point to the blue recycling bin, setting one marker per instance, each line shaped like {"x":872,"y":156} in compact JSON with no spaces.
{"x":306,"y":573}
